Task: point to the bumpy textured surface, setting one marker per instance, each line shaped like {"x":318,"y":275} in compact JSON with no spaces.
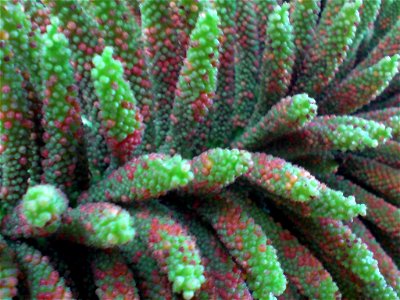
{"x":247,"y":243}
{"x":289,"y":114}
{"x":44,"y":282}
{"x":121,"y":120}
{"x":277,"y":61}
{"x":112,"y":277}
{"x":38,"y":214}
{"x":200,"y":149}
{"x":101,"y":225}
{"x":173,"y":249}
{"x":61,"y":121}
{"x":15,"y":124}
{"x":8,"y":272}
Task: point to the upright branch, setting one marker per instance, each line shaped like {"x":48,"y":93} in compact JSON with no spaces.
{"x":247,"y":64}
{"x":15,"y":124}
{"x":85,"y":40}
{"x":277,"y":62}
{"x":220,"y":114}
{"x":62,"y":125}
{"x":121,"y":119}
{"x":121,"y":31}
{"x":196,"y":85}
{"x":329,"y":52}
{"x":163,"y":53}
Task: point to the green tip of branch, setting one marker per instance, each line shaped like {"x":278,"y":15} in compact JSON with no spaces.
{"x":218,"y":167}
{"x":303,"y":108}
{"x":357,"y":134}
{"x":43,"y":203}
{"x":334,"y":204}
{"x":167,"y":174}
{"x":115,"y":228}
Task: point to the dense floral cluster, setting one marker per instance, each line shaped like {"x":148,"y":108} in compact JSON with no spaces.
{"x":200,"y":149}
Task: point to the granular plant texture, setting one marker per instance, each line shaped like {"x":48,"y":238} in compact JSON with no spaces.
{"x":200,"y":149}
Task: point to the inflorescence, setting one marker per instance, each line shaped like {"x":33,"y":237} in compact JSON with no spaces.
{"x":200,"y":149}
